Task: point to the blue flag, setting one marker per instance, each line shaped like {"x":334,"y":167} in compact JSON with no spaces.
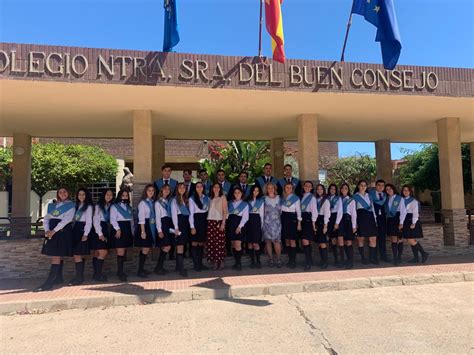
{"x":381,"y":13}
{"x":171,"y":37}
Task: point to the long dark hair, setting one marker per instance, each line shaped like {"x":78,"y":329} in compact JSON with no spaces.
{"x":181,"y":199}
{"x":412,"y":194}
{"x":87,"y":201}
{"x":395,"y":192}
{"x":198,"y":199}
{"x":360,"y":182}
{"x":260,"y":192}
{"x":348,"y":189}
{"x":144,"y":195}
{"x":324,"y":196}
{"x":335,"y":188}
{"x":101,"y":202}
{"x":119,"y":196}
{"x":211,"y":193}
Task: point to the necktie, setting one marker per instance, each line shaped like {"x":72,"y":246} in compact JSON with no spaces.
{"x":288,"y":180}
{"x":243,"y":188}
{"x":167,"y":182}
{"x":267,"y":179}
{"x":380,"y":196}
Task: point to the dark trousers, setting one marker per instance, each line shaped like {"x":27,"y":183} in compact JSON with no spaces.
{"x":382,"y":236}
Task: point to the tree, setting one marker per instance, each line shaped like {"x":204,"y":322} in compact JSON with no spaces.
{"x":5,"y":167}
{"x":422,"y":168}
{"x":237,"y":156}
{"x":55,"y":164}
{"x":351,"y":170}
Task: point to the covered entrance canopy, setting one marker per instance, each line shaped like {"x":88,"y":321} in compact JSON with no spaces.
{"x":82,"y":92}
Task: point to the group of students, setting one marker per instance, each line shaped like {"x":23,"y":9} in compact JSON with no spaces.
{"x":266,"y":215}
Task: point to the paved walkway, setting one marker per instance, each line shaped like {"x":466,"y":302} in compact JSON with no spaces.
{"x":17,"y":295}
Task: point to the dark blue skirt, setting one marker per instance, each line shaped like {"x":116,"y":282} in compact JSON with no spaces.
{"x":307,"y":226}
{"x":289,"y":225}
{"x":332,"y":233}
{"x":79,"y":247}
{"x":392,"y":226}
{"x":409,"y":233}
{"x":167,"y":240}
{"x":345,"y":227}
{"x":232,"y":223}
{"x":126,"y":238}
{"x":61,"y":243}
{"x":94,"y":242}
{"x":148,"y":241}
{"x":366,"y":225}
{"x":200,"y":224}
{"x":184,"y":228}
{"x":253,"y":229}
{"x":320,"y":236}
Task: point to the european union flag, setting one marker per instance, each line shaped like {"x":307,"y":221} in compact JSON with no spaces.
{"x":381,"y":13}
{"x":171,"y":37}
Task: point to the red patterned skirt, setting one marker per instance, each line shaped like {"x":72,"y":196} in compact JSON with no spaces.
{"x":215,"y":242}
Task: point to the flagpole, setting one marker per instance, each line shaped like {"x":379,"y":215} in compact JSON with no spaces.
{"x":260,"y":30}
{"x":349,"y":23}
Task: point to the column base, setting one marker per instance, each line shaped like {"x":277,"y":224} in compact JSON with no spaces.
{"x":20,"y":227}
{"x":455,"y":227}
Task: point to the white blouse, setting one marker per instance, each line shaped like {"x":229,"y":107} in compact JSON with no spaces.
{"x":193,"y":208}
{"x":116,"y":216}
{"x":412,"y":208}
{"x":367,"y":199}
{"x":175,"y":211}
{"x":325,"y":210}
{"x":97,"y":219}
{"x":143,"y":211}
{"x":312,"y":207}
{"x":390,"y":203}
{"x":337,"y":209}
{"x":294,"y":208}
{"x":160,"y":213}
{"x":244,"y":213}
{"x":66,"y":218}
{"x":87,"y":218}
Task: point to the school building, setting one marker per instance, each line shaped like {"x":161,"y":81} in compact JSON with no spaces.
{"x":150,"y":97}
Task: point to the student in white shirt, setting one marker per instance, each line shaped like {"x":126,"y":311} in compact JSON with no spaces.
{"x":333,"y":225}
{"x":180,"y":217}
{"x":58,"y":236}
{"x":80,"y":231}
{"x":100,"y":238}
{"x":410,"y":224}
{"x":163,"y":225}
{"x":236,"y":221}
{"x":348,"y":226}
{"x":309,"y":215}
{"x":393,"y":206}
{"x":145,"y":232}
{"x":255,"y":225}
{"x":121,"y":219}
{"x":290,"y":221}
{"x":366,"y":222}
{"x":324,"y":214}
{"x":198,"y":209}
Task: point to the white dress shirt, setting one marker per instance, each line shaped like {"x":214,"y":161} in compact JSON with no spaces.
{"x":66,"y":218}
{"x":244,"y":213}
{"x":193,"y":208}
{"x":116,"y":216}
{"x":325,"y":209}
{"x":294,"y":208}
{"x":97,"y":219}
{"x":260,"y":211}
{"x":412,"y":208}
{"x":160,"y":212}
{"x":352,"y":211}
{"x":312,"y":207}
{"x":87,"y":218}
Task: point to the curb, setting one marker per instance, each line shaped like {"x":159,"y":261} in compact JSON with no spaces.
{"x":233,"y":292}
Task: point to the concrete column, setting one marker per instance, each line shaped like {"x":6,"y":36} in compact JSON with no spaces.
{"x":471,"y":149}
{"x":308,"y":150}
{"x":383,"y":157}
{"x":451,"y":178}
{"x":158,"y":156}
{"x":277,"y":154}
{"x":21,"y":186}
{"x":142,"y":152}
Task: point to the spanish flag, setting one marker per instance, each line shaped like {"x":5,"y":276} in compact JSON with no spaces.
{"x":274,"y":23}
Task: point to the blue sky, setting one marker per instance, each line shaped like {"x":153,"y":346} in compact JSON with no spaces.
{"x":434,"y":32}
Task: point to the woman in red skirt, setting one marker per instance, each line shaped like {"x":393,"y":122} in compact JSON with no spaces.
{"x":216,"y":227}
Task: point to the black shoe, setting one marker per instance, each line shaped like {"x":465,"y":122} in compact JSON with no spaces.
{"x":365,"y":261}
{"x":204,"y":267}
{"x":324,"y":266}
{"x":414,"y":261}
{"x":424,"y":257}
{"x":184,"y":273}
{"x":258,"y":265}
{"x":386,"y":260}
{"x":340,"y":265}
{"x":142,"y":274}
{"x":292,"y":265}
{"x":100,"y":278}
{"x":307,"y":267}
{"x":237,"y":267}
{"x":47,"y":286}
{"x":374,"y":261}
{"x":349,"y":265}
{"x":58,"y":281}
{"x":122,"y":277}
{"x":253,"y":266}
{"x":160,"y":272}
{"x":76,"y":281}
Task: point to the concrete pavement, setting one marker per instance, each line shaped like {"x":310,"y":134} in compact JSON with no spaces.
{"x":429,"y":319}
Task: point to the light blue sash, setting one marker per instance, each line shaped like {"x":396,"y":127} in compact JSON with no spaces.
{"x":375,"y":197}
{"x":345,"y":204}
{"x":289,"y":201}
{"x":333,"y":201}
{"x":408,"y":200}
{"x":205,"y":201}
{"x":392,"y":211}
{"x":360,"y":200}
{"x":105,"y":213}
{"x":58,"y":211}
{"x":183,"y":209}
{"x":258,"y":203}
{"x":166,"y":206}
{"x":152,"y":219}
{"x":238,"y":209}
{"x":126,"y":213}
{"x":306,"y":201}
{"x":78,"y":214}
